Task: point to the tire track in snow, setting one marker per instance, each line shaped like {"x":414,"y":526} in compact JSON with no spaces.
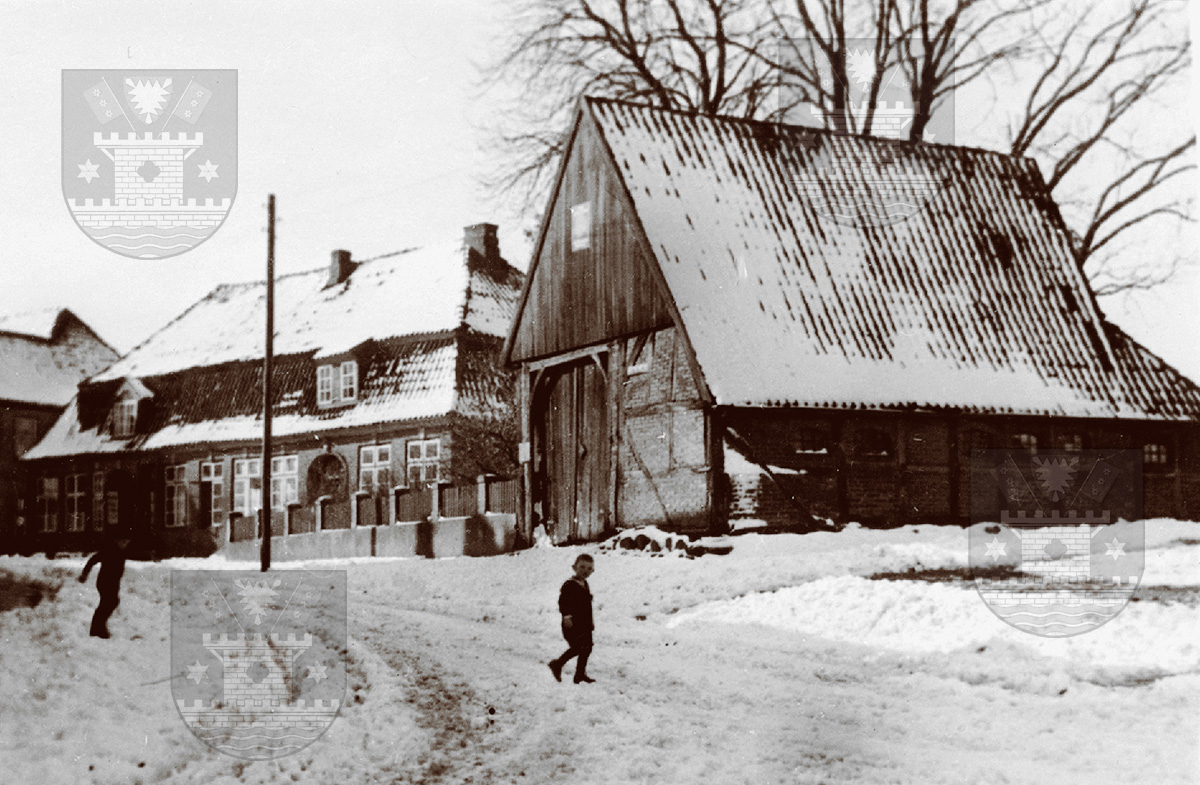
{"x":457,"y":747}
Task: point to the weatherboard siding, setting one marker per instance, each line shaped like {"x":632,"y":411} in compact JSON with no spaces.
{"x":586,"y":297}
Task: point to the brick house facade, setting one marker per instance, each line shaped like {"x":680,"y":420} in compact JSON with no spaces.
{"x":388,"y":399}
{"x":699,"y":342}
{"x":45,"y":355}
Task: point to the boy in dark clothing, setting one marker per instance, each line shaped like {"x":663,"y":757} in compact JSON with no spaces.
{"x":111,"y":558}
{"x":575,"y":604}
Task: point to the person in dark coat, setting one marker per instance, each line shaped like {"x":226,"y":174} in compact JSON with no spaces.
{"x":111,"y":558}
{"x":575,"y":605}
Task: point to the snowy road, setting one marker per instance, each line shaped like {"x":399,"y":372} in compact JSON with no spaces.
{"x":435,"y":644}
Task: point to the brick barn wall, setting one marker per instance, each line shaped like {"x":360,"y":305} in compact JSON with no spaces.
{"x":804,"y":480}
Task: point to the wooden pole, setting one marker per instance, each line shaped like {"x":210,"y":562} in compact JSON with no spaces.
{"x":265,"y":511}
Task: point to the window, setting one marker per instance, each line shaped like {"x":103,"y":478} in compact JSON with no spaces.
{"x":1155,"y":455}
{"x":875,"y":443}
{"x":76,"y":510}
{"x":1026,"y":442}
{"x":98,"y":500}
{"x":424,"y":461}
{"x":284,"y":488}
{"x":1070,"y":442}
{"x":337,"y":384}
{"x":325,"y":385}
{"x":375,"y":468}
{"x":124,"y":418}
{"x":24,"y":435}
{"x":47,"y":500}
{"x":175,"y":497}
{"x":214,"y":475}
{"x":811,"y":441}
{"x":247,"y":486}
{"x":349,"y":380}
{"x":581,"y":226}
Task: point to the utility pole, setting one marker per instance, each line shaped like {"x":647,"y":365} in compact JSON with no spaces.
{"x":265,"y":511}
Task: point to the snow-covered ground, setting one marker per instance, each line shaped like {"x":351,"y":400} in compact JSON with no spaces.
{"x":781,"y":662}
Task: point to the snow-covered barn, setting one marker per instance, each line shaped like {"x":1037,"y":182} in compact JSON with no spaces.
{"x":44,"y":355}
{"x":389,"y":403}
{"x":702,"y":339}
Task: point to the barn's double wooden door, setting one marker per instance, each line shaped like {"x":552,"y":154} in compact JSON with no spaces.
{"x":571,"y":414}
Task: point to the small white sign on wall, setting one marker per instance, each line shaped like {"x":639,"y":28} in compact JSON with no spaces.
{"x":523,"y":452}
{"x":581,"y":226}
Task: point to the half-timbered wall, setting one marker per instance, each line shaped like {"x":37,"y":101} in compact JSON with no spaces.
{"x":663,"y":465}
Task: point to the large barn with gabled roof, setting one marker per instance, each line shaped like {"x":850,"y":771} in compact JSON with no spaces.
{"x":702,"y":339}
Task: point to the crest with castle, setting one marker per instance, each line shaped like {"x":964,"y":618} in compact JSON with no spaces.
{"x":1058,"y":565}
{"x":259,"y":714}
{"x":875,"y":194}
{"x":148,"y":215}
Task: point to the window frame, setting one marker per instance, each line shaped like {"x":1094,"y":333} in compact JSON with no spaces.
{"x":337,"y":383}
{"x":1161,"y":460}
{"x":175,"y":496}
{"x":423,"y":461}
{"x":243,"y":487}
{"x":47,"y":502}
{"x":1075,"y":445}
{"x":369,"y":470}
{"x":285,"y":481}
{"x":76,"y":510}
{"x":348,"y":370}
{"x":216,"y":489}
{"x":324,"y":385}
{"x":123,"y":423}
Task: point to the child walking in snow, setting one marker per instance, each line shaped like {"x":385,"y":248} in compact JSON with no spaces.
{"x":575,"y":605}
{"x":111,"y":558}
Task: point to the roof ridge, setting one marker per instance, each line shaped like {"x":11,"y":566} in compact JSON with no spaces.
{"x":596,"y":99}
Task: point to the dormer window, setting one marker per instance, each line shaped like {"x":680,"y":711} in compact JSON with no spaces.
{"x":123,"y":414}
{"x":124,"y":418}
{"x":337,"y":383}
{"x":349,"y":380}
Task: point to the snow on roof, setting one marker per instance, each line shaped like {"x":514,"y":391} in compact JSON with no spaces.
{"x":398,"y":316}
{"x":403,"y":380}
{"x":427,"y":290}
{"x":34,"y":324}
{"x":973,"y":302}
{"x":38,"y":366}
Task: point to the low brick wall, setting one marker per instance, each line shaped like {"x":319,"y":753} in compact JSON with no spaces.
{"x":478,"y":535}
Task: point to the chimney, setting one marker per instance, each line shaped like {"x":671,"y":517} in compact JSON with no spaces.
{"x":481,"y":238}
{"x":340,"y":268}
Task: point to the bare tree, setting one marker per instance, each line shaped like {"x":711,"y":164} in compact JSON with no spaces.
{"x":1079,"y":110}
{"x":814,"y":53}
{"x":696,"y":55}
{"x":1084,"y":83}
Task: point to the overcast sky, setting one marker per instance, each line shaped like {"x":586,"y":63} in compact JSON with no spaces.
{"x":363,"y":119}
